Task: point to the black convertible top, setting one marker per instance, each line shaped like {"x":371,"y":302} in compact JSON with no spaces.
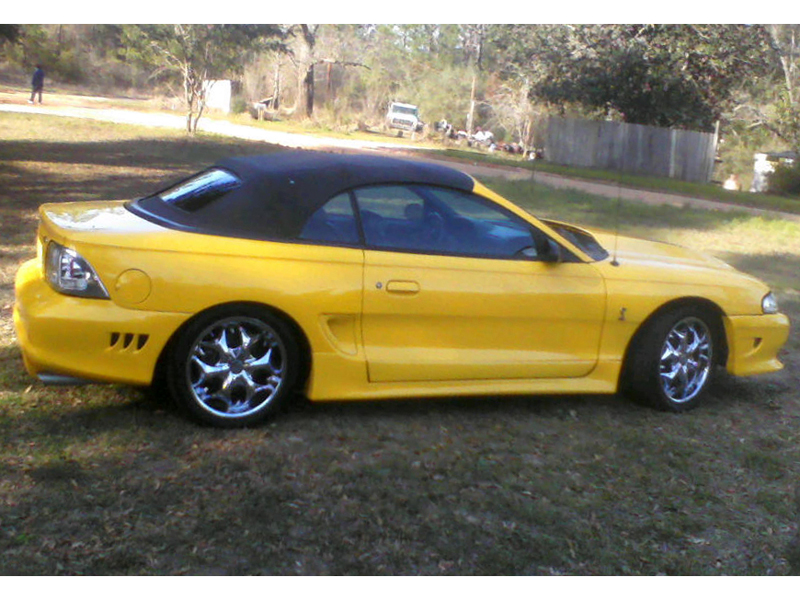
{"x":280,"y":191}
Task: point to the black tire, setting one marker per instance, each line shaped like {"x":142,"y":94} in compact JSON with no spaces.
{"x":670,"y":363}
{"x":234,"y":366}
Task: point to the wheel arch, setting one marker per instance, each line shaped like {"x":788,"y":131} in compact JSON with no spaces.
{"x":296,"y":330}
{"x":709,"y":306}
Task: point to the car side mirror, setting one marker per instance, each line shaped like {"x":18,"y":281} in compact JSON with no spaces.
{"x":552,"y":252}
{"x":547,"y":251}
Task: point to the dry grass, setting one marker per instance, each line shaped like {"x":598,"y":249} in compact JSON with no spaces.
{"x":107,"y":480}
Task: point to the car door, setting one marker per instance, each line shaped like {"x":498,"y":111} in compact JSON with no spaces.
{"x":334,"y":273}
{"x":455,"y":289}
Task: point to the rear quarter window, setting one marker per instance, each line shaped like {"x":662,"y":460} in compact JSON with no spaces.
{"x":198,"y":191}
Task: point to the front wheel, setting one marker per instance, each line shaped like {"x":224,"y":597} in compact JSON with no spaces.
{"x":234,"y":367}
{"x":671,"y":363}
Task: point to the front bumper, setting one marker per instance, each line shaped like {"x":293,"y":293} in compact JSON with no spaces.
{"x":754,"y":342}
{"x":403,"y":124}
{"x":84,"y":338}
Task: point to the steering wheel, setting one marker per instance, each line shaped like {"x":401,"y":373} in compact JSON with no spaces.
{"x":432,"y":228}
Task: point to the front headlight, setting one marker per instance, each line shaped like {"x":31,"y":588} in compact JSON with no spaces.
{"x":69,"y":273}
{"x":769,"y":304}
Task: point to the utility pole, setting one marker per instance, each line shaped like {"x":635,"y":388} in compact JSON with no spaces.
{"x":471,"y":115}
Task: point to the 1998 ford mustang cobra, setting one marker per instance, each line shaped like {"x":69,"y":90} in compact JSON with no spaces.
{"x":354,"y":277}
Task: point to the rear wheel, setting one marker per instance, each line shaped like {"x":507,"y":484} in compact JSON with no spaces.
{"x":671,"y":363}
{"x":234,"y":367}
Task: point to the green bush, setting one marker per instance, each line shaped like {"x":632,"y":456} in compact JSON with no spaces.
{"x":68,"y":66}
{"x":239,"y":105}
{"x":785,"y":181}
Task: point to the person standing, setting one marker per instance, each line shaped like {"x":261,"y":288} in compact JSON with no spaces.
{"x":732,"y":183}
{"x":37,"y":83}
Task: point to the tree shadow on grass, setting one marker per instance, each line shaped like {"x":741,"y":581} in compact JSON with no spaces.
{"x":156,"y":152}
{"x":147,"y":161}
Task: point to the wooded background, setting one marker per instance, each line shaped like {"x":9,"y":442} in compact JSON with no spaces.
{"x":507,"y":78}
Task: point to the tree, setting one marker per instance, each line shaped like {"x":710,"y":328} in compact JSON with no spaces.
{"x":785,"y":41}
{"x":513,"y":110}
{"x":8,"y":33}
{"x":665,"y":75}
{"x":396,"y":72}
{"x":473,"y":41}
{"x":307,"y":54}
{"x":431,"y":66}
{"x":197,"y":53}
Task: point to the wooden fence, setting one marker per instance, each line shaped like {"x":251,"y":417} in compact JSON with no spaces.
{"x":640,"y":149}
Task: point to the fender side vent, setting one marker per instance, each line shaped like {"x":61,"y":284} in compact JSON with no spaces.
{"x":127,"y":341}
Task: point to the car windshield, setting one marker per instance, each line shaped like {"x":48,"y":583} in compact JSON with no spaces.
{"x":405,"y":110}
{"x":581,"y":239}
{"x":196,"y":192}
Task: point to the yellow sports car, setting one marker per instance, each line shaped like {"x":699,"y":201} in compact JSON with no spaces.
{"x":349,"y":277}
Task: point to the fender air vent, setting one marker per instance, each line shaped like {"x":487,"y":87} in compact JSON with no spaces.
{"x":127,"y":341}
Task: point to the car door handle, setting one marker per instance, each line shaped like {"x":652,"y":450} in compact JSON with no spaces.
{"x":402,"y":287}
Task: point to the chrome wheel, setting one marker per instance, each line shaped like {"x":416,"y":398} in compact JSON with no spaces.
{"x":236,"y":367}
{"x":686,"y":360}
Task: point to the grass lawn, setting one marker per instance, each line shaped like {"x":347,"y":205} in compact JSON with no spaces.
{"x":709,"y":191}
{"x":109,"y":480}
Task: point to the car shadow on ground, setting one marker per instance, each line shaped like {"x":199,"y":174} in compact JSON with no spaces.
{"x":145,"y":407}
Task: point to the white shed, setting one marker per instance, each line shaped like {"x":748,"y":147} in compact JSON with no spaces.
{"x":218,"y":94}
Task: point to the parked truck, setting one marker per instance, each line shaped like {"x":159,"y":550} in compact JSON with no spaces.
{"x":404,"y":117}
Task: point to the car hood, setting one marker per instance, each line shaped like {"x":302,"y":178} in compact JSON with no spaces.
{"x":636,"y":267}
{"x":637,"y":260}
{"x":650,"y":253}
{"x":640,"y":252}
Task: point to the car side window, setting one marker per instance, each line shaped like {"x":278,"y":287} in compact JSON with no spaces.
{"x":334,"y":222}
{"x":418,"y":218}
{"x":393,"y":217}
